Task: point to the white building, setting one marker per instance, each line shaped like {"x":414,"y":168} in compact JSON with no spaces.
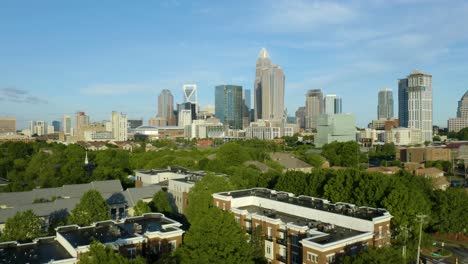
{"x":90,"y":135}
{"x":404,"y":136}
{"x":185,"y":118}
{"x":119,"y":126}
{"x":335,"y":127}
{"x":67,"y":125}
{"x":210,"y":128}
{"x":38,"y":127}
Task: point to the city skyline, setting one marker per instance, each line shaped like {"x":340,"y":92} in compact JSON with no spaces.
{"x":53,"y":64}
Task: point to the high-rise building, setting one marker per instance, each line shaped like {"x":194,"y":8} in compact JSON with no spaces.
{"x":332,"y":104}
{"x":247,"y":99}
{"x":313,"y":107}
{"x":134,"y":123}
{"x":38,"y":128}
{"x":119,"y":126}
{"x":185,"y":117}
{"x":56,"y":124}
{"x":461,"y":121}
{"x":7,"y":125}
{"x":166,"y":107}
{"x":415,"y":103}
{"x":81,"y":122}
{"x":385,"y":106}
{"x":67,"y":125}
{"x":229,"y":105}
{"x":335,"y":127}
{"x":268,"y":89}
{"x":190,"y":93}
{"x":301,"y":117}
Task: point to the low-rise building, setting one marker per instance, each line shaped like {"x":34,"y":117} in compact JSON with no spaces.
{"x":404,"y":136}
{"x":291,"y":163}
{"x":423,"y":154}
{"x":159,"y":176}
{"x":335,"y":127}
{"x":305,"y":229}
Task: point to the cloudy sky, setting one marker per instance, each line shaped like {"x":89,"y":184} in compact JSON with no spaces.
{"x":58,"y":57}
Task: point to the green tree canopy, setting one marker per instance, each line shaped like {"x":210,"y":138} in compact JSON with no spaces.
{"x":216,"y":238}
{"x":141,"y":208}
{"x":450,"y":209}
{"x":161,"y":203}
{"x":346,"y":154}
{"x":23,"y":226}
{"x":99,"y":254}
{"x":91,"y":208}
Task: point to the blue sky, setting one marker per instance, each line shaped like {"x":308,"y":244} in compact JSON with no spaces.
{"x":58,"y":57}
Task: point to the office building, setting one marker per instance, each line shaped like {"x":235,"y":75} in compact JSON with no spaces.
{"x":81,"y":122}
{"x":166,"y":107}
{"x":67,"y":125}
{"x":461,"y":121}
{"x":303,"y":229}
{"x":210,"y":128}
{"x":301,"y":116}
{"x":57,"y":125}
{"x":247,"y":99}
{"x":335,"y":127}
{"x":314,"y":106}
{"x":119,"y":126}
{"x":134,"y":123}
{"x":229,"y":105}
{"x":38,"y":128}
{"x":332,"y":104}
{"x":415,"y":103}
{"x":385,"y":105}
{"x":7,"y":125}
{"x":268,"y":89}
{"x":190,"y":94}
{"x":403,"y":136}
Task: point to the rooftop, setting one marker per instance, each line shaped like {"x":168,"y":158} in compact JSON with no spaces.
{"x":288,"y":160}
{"x":41,"y":251}
{"x":366,"y":213}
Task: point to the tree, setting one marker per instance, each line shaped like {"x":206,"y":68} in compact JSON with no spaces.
{"x":199,"y":197}
{"x":449,"y":211}
{"x":216,"y":238}
{"x":23,"y":226}
{"x":257,"y":241}
{"x":376,"y":255}
{"x":91,"y":208}
{"x":141,"y":208}
{"x":99,"y":253}
{"x":161,"y":203}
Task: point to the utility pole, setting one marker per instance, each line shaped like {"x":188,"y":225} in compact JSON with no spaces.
{"x":404,"y":232}
{"x":421,"y":221}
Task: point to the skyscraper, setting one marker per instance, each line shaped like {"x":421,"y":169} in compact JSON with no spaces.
{"x":66,"y":125}
{"x":338,"y":105}
{"x":301,"y":116}
{"x":332,"y":104}
{"x":190,"y":93}
{"x":229,"y":105}
{"x":7,"y":125}
{"x":415,"y":103}
{"x":385,"y":106}
{"x":81,"y":122}
{"x":166,"y":107}
{"x":313,"y":107}
{"x":119,"y":126}
{"x":268,"y":89}
{"x":56,"y":125}
{"x":461,"y":121}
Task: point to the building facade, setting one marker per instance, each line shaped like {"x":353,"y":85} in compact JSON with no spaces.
{"x":81,"y":122}
{"x":268,"y":89}
{"x":461,"y":121}
{"x":119,"y":126}
{"x":229,"y":105}
{"x":166,"y":107}
{"x":305,"y":229}
{"x":67,"y":125}
{"x":385,"y":106}
{"x":415,"y":103}
{"x":7,"y":125}
{"x":301,"y":116}
{"x":335,"y":127}
{"x":402,"y":136}
{"x":314,"y":106}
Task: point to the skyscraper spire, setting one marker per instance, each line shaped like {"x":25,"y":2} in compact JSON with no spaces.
{"x":263,"y":54}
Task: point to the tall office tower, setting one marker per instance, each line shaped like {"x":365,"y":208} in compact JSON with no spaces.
{"x":7,"y":125}
{"x":66,"y":125}
{"x":338,"y":105}
{"x":166,"y":107}
{"x":119,"y":126}
{"x":329,"y":104}
{"x":190,"y":94}
{"x":385,"y":106}
{"x":301,"y":116}
{"x":247,"y":99}
{"x":461,"y":121}
{"x":313,"y":107}
{"x":268,"y":89}
{"x":229,"y":105}
{"x":185,"y":117}
{"x":81,"y":122}
{"x":56,"y":124}
{"x":134,"y":123}
{"x":415,"y":103}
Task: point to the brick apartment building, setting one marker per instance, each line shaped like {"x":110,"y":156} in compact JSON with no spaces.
{"x":304,"y":229}
{"x":419,"y":155}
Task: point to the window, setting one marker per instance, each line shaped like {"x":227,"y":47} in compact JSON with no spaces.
{"x":269,"y":231}
{"x":237,"y":219}
{"x":172,"y":245}
{"x":380,"y":231}
{"x":294,"y":240}
{"x":131,"y":252}
{"x":312,"y":257}
{"x":331,"y":258}
{"x":294,"y":258}
{"x":269,"y":249}
{"x":217,"y":204}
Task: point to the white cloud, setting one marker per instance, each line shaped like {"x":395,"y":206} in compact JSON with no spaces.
{"x":301,"y":15}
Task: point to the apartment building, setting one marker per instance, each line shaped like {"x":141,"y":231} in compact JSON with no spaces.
{"x":305,"y":229}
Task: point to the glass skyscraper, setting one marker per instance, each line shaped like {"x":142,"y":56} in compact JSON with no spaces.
{"x":385,"y":106}
{"x":229,"y":105}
